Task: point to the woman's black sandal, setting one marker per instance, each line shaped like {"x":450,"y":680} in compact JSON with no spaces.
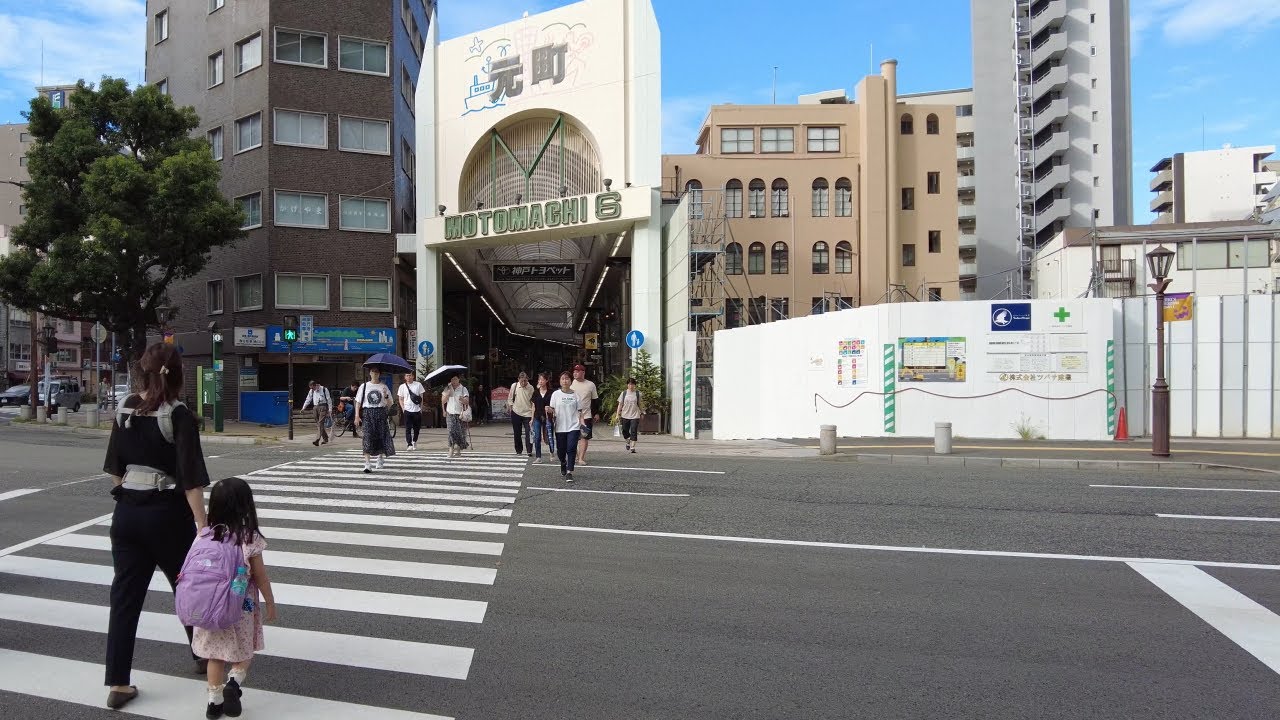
{"x":117,"y":699}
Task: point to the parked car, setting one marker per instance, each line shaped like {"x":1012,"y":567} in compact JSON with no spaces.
{"x":65,"y":393}
{"x":16,"y":395}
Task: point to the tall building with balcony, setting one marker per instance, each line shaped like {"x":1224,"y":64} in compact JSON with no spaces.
{"x":1227,"y":184}
{"x":309,"y":108}
{"x":1051,"y":126}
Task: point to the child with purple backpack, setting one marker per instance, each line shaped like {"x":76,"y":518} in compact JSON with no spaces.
{"x":230,"y":640}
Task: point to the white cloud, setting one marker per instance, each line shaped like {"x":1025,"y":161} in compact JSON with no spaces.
{"x":1192,"y":21}
{"x":1233,"y":125}
{"x":682,"y":119}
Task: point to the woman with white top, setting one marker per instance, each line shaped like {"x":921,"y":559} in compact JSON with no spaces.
{"x":566,"y":413}
{"x":457,"y":402}
{"x":629,"y":414}
{"x":410,"y":394}
{"x":373,"y":400}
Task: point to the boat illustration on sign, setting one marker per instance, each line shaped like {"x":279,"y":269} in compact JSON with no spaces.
{"x":480,"y":96}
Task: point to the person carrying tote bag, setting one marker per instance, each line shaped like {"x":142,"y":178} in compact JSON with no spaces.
{"x":629,"y":412}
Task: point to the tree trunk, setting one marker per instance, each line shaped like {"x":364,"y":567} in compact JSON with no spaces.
{"x":34,"y":317}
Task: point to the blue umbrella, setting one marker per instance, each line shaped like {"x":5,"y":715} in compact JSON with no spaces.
{"x":387,"y":362}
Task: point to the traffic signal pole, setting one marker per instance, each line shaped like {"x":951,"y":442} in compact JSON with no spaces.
{"x":290,"y":336}
{"x":217,"y":382}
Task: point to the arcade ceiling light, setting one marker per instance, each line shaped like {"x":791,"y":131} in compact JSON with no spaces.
{"x":496,"y":316}
{"x":463,"y":273}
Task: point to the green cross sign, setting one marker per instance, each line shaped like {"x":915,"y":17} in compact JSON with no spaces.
{"x":1062,"y":314}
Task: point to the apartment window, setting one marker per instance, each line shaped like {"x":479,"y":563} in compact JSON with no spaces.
{"x":935,"y":294}
{"x":1093,"y":50}
{"x":1093,"y":83}
{"x":823,"y":139}
{"x":1093,"y":17}
{"x":821,"y":258}
{"x":215,"y":68}
{"x":19,"y":352}
{"x":216,"y":5}
{"x":779,"y":309}
{"x":367,"y":214}
{"x":908,"y":254}
{"x":408,"y":158}
{"x":931,"y":124}
{"x":733,"y":259}
{"x":693,"y":189}
{"x":248,"y":54}
{"x":934,"y":183}
{"x":733,"y":199}
{"x":24,"y":137}
{"x":935,"y":241}
{"x":844,"y":258}
{"x":302,"y":209}
{"x":363,"y":135}
{"x":777,"y":140}
{"x":1220,"y":255}
{"x":907,"y":125}
{"x":22,"y":210}
{"x":755,"y":198}
{"x":821,"y":198}
{"x":67,"y":327}
{"x":779,"y":260}
{"x":964,"y":111}
{"x":301,"y":128}
{"x":755,"y":259}
{"x":817,"y":305}
{"x":249,"y":132}
{"x":1097,"y":182}
{"x":251,"y":206}
{"x":406,"y":88}
{"x":163,"y":86}
{"x":214,"y":137}
{"x":22,"y":161}
{"x":781,"y":199}
{"x":363,"y":56}
{"x":249,"y":293}
{"x":844,"y":198}
{"x":297,"y":47}
{"x":162,"y":26}
{"x":1095,"y":148}
{"x":366,"y":293}
{"x":732,"y":313}
{"x":1094,"y":116}
{"x":213,"y":297}
{"x":67,"y":355}
{"x":908,"y":198}
{"x":737,"y":140}
{"x":309,"y":292}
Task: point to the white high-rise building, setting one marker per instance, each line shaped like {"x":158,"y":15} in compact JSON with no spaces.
{"x":1227,"y":184}
{"x":1052,"y":128}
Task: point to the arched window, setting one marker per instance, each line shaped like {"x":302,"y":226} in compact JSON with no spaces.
{"x":844,"y":198}
{"x":694,"y":189}
{"x":779,"y":260}
{"x":821,"y":198}
{"x":755,"y":259}
{"x":908,"y":124}
{"x":755,"y":198}
{"x":733,"y":198}
{"x":733,"y":259}
{"x":821,"y":258}
{"x":781,"y":203}
{"x":931,"y":124}
{"x":844,"y":257}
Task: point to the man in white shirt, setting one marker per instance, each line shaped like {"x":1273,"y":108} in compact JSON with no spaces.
{"x":589,"y":398}
{"x":320,"y":398}
{"x":522,"y":414}
{"x":410,"y":394}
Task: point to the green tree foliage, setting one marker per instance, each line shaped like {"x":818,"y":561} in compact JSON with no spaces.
{"x":122,"y":201}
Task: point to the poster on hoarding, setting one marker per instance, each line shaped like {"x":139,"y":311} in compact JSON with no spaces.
{"x":932,"y":359}
{"x":851,"y":362}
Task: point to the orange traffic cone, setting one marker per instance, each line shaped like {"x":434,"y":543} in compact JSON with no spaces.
{"x":1122,"y":427}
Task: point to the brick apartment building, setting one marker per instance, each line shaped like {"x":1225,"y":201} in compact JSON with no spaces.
{"x":309,"y":107}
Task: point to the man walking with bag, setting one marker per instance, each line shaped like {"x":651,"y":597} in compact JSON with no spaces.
{"x":411,"y":405}
{"x":320,"y":398}
{"x":522,"y":414}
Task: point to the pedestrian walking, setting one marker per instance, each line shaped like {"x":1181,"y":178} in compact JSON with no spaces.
{"x":566,"y":411}
{"x":410,"y":394}
{"x":541,"y":423}
{"x":234,"y":518}
{"x":373,"y":399}
{"x":628,"y":413}
{"x":456,"y":401}
{"x":158,"y":475}
{"x":522,"y":414}
{"x":590,"y":399}
{"x":348,"y":400}
{"x":319,"y":396}
{"x":480,"y":405}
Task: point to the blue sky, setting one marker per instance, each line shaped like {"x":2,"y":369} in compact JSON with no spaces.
{"x":1197,"y":63}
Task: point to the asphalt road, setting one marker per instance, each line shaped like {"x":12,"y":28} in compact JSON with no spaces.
{"x":897,"y":591}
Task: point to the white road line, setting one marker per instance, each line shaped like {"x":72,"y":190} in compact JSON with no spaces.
{"x":331,"y":563}
{"x":165,"y":696}
{"x":644,"y":469}
{"x":1195,"y":489}
{"x":405,"y":542}
{"x":357,"y":472}
{"x":18,"y":493}
{"x":357,"y":475}
{"x":1243,"y":621}
{"x":403,"y":656}
{"x":899,"y":548}
{"x":383,"y":483}
{"x":1234,"y":518}
{"x":434,"y":457}
{"x":328,"y":598}
{"x":378,"y":505}
{"x":331,"y":518}
{"x":419,"y":460}
{"x":608,"y":492}
{"x":57,"y":533}
{"x":374,"y":492}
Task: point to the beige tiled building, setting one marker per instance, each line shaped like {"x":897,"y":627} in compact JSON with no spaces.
{"x":826,"y":202}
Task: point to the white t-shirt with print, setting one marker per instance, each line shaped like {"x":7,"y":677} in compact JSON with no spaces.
{"x":372,"y":395}
{"x":454,"y":404}
{"x":409,"y":404}
{"x":568,"y":409}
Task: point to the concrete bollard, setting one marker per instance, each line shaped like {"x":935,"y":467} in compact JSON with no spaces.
{"x":942,"y":438}
{"x":61,"y":416}
{"x":827,"y":440}
{"x":91,"y":417}
{"x":42,"y":414}
{"x":24,"y":412}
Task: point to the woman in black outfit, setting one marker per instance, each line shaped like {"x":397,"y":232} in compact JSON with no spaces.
{"x":155,"y":461}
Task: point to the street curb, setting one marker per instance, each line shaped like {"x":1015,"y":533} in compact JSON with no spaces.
{"x":205,"y":439}
{"x":1045,"y":463}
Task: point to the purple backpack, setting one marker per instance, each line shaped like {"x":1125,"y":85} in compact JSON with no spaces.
{"x":212,"y":583}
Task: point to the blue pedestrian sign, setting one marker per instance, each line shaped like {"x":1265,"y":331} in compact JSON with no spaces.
{"x":635,"y":339}
{"x":426,"y":349}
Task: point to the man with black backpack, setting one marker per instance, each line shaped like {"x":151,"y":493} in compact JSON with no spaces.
{"x":411,"y":393}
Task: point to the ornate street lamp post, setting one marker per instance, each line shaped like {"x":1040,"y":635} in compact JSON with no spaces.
{"x":50,"y":349}
{"x":1159,"y":262}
